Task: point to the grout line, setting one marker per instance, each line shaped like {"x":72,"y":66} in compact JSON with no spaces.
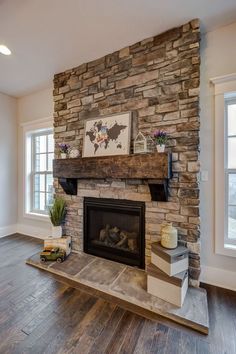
{"x":91,"y":262}
{"x":114,"y":281}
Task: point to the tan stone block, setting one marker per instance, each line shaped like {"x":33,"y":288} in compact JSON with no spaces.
{"x":189,"y":211}
{"x":168,"y":205}
{"x":142,"y":197}
{"x":64,"y":89}
{"x":98,"y":95}
{"x":195,"y":220}
{"x":87,"y":99}
{"x":118,"y":184}
{"x":194,"y":166}
{"x":194,"y":247}
{"x":172,"y":116}
{"x":176,"y":218}
{"x":167,"y":107}
{"x":91,"y":81}
{"x":74,"y":103}
{"x":194,"y":92}
{"x":88,"y":193}
{"x":135,"y":103}
{"x":152,"y":92}
{"x":137,"y":79}
{"x":57,"y":98}
{"x":60,"y":129}
{"x":124,"y":52}
{"x":195,"y":23}
{"x":148,"y":111}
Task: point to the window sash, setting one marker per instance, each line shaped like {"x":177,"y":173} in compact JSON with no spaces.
{"x":34,"y":171}
{"x":227,"y":172}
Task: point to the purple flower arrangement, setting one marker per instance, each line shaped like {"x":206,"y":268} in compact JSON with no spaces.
{"x":64,"y":148}
{"x":160,"y":137}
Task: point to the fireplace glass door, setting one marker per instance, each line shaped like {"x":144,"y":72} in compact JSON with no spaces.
{"x":114,"y":229}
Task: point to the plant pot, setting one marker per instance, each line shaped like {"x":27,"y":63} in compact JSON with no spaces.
{"x":161,"y":148}
{"x":56,"y":231}
{"x":63,"y":155}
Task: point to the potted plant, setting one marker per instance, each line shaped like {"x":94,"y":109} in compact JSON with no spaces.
{"x":160,"y":137}
{"x":64,"y":149}
{"x":57,"y":213}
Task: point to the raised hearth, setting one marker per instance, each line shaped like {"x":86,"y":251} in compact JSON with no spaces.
{"x":126,"y":286}
{"x":115,"y":229}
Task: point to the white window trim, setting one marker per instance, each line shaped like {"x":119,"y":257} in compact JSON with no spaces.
{"x":223,"y":85}
{"x":28,"y":128}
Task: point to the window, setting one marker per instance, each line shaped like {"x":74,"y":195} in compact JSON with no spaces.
{"x":230,"y":170}
{"x":42,"y":147}
{"x":225,"y":164}
{"x":38,"y":178}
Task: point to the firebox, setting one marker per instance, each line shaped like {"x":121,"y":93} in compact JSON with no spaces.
{"x":115,"y":229}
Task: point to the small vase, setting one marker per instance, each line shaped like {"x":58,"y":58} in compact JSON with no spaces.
{"x":56,"y":231}
{"x":169,"y":236}
{"x":161,"y":148}
{"x":63,"y":155}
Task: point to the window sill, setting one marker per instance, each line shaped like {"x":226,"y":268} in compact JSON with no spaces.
{"x":38,"y":217}
{"x":227,"y":250}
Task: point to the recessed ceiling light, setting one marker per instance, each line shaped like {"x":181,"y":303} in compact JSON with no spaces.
{"x":4,"y":50}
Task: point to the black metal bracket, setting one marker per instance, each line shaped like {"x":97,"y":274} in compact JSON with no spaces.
{"x":158,"y":190}
{"x":69,"y":185}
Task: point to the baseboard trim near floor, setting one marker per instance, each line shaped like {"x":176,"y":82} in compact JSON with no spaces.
{"x":218,"y":277}
{"x":33,"y":231}
{"x":8,"y":230}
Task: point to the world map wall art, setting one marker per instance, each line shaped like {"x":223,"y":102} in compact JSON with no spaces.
{"x":108,"y":135}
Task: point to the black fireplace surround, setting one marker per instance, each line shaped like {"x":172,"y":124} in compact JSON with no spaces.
{"x":115,"y":229}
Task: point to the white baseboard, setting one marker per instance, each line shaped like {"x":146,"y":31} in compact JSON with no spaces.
{"x":8,"y":230}
{"x":218,"y":277}
{"x":33,"y":231}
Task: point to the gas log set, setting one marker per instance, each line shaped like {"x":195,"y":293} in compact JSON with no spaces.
{"x":114,"y":237}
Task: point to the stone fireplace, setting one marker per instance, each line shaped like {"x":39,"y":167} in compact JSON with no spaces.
{"x":156,"y":79}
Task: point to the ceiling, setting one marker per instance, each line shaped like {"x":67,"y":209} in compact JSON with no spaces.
{"x":50,"y":36}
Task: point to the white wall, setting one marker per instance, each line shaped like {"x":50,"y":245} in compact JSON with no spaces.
{"x":31,"y":108}
{"x":218,"y":57}
{"x":8,"y":164}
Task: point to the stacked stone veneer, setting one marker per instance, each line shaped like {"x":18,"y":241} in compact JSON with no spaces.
{"x":158,"y":80}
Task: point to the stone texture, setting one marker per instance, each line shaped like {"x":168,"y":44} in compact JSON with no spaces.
{"x":158,"y":80}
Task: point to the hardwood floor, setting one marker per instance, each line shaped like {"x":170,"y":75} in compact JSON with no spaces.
{"x":39,"y":314}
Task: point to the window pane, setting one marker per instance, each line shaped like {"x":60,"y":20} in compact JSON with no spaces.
{"x":50,"y":158}
{"x":50,"y":143}
{"x":232,"y":119}
{"x":39,"y":201}
{"x":43,"y":143}
{"x":49,"y":199}
{"x":40,"y":162}
{"x":49,"y":183}
{"x":232,"y":222}
{"x":232,"y":189}
{"x":231,"y":152}
{"x":37,"y":144}
{"x":42,"y":201}
{"x":36,"y":200}
{"x":37,"y":183}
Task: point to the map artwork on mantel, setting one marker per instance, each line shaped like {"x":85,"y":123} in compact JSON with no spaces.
{"x":107,"y":136}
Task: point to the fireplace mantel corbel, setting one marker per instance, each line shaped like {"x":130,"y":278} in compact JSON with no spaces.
{"x":155,"y":169}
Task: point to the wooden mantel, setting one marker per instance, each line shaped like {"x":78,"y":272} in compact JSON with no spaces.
{"x":155,"y":168}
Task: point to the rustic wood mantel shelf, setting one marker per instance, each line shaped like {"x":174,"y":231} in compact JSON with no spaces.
{"x":154,"y":168}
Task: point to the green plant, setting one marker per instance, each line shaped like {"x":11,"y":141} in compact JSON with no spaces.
{"x":57,"y":211}
{"x":160,"y":136}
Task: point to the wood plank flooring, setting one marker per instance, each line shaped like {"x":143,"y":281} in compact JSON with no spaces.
{"x":39,"y":314}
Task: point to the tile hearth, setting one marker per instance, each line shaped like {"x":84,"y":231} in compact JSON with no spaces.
{"x":127,"y":286}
